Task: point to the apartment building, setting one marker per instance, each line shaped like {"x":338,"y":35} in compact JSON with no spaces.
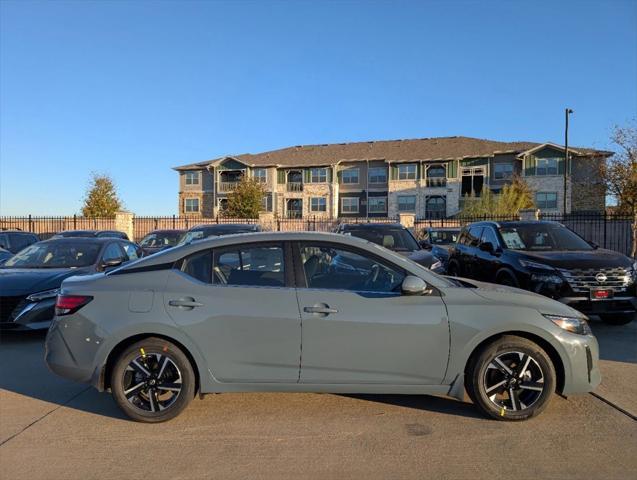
{"x":429,"y":177}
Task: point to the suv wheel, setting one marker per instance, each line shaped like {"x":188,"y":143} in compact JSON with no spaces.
{"x":152,"y":381}
{"x":453,"y":270}
{"x":511,"y":379}
{"x":617,"y":318}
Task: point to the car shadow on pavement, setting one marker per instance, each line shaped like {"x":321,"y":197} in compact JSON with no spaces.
{"x":616,"y":342}
{"x":426,"y":403}
{"x":23,"y":371}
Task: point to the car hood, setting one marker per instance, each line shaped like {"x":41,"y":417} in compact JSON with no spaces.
{"x":501,"y":295}
{"x":422,"y":257}
{"x":24,"y":281}
{"x":599,"y":258}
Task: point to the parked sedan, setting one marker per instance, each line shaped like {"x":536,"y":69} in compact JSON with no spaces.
{"x":16,"y":240}
{"x":217,"y":230}
{"x":395,"y":237}
{"x":283,"y":312}
{"x":159,"y":240}
{"x":91,"y":233}
{"x":438,"y":241}
{"x":30,"y":280}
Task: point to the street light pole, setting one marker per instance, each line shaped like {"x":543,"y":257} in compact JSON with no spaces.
{"x":567,"y":112}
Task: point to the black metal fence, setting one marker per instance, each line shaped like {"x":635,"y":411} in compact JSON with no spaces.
{"x":46,"y":227}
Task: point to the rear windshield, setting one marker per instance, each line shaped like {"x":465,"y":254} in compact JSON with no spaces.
{"x":542,"y":237}
{"x":443,"y":237}
{"x":392,"y":238}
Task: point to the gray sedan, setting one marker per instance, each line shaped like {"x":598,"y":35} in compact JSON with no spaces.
{"x":312,"y":312}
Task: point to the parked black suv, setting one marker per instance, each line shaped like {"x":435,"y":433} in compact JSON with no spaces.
{"x":550,"y":259}
{"x":394,"y":237}
{"x":16,"y":240}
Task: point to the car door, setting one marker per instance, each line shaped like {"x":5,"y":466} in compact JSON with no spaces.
{"x":358,"y":328}
{"x":469,"y":252}
{"x":486,"y":263}
{"x":239,"y":305}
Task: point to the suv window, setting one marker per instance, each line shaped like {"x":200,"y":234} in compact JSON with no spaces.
{"x":258,"y":266}
{"x":339,"y":269}
{"x":112,"y":252}
{"x":473,"y":236}
{"x":130,"y":251}
{"x":488,"y":235}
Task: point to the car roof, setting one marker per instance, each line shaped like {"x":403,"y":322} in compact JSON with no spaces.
{"x":166,"y":230}
{"x":371,"y":225}
{"x":513,"y":223}
{"x":445,"y":229}
{"x":23,"y":232}
{"x":84,"y":239}
{"x":222,"y":226}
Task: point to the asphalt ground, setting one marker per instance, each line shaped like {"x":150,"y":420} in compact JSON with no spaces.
{"x":54,"y":429}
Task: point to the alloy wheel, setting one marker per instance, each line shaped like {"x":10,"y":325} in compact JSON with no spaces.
{"x":152,"y":382}
{"x":513,"y":381}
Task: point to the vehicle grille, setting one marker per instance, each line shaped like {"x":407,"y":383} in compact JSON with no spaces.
{"x":7,"y":306}
{"x":581,"y":280}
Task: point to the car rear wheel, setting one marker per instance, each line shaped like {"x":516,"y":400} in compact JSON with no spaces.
{"x":511,"y":379}
{"x":152,"y":381}
{"x":617,"y":318}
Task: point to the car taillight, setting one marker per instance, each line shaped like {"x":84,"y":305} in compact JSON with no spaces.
{"x":67,"y":304}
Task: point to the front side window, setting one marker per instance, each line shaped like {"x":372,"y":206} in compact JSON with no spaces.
{"x":546,"y":166}
{"x":488,"y":236}
{"x":130,"y":251}
{"x":546,"y":200}
{"x":318,"y":175}
{"x":192,"y":178}
{"x":349,"y":205}
{"x":260,"y":175}
{"x":407,"y":203}
{"x":112,"y":252}
{"x":318,"y":204}
{"x":191,"y":205}
{"x":473,"y":236}
{"x":502,"y":171}
{"x":331,"y":268}
{"x":378,"y":175}
{"x":407,"y":172}
{"x":258,"y":266}
{"x":350,"y":176}
{"x":377,"y":204}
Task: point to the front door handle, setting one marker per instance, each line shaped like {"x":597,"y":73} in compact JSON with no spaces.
{"x":185,"y":303}
{"x":324,"y":309}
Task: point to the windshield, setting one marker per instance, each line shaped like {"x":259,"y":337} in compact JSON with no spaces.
{"x":542,"y":237}
{"x":443,"y":237}
{"x":55,"y":255}
{"x":392,"y":238}
{"x":167,"y":239}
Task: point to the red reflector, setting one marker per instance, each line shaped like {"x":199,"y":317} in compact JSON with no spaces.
{"x":66,"y":304}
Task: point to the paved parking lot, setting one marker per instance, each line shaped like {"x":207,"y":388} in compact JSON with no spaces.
{"x":54,"y":429}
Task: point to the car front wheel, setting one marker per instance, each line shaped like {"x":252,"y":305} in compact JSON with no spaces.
{"x":617,"y":318}
{"x":152,"y":381}
{"x":511,"y":379}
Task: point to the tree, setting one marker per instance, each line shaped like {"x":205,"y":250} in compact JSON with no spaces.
{"x":246,"y":200}
{"x":515,"y":196}
{"x":619,"y":174}
{"x":101,"y":198}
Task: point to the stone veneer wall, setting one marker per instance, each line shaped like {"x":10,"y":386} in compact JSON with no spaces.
{"x":206,"y":209}
{"x":552,"y":183}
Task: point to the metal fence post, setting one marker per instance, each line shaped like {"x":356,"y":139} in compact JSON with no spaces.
{"x":604,"y":229}
{"x":30,"y":223}
{"x":174,"y":224}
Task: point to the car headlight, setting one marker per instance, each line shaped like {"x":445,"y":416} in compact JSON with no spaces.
{"x":571,"y":324}
{"x":36,"y":297}
{"x":536,"y":265}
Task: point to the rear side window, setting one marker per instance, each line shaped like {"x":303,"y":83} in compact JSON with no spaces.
{"x":473,"y":236}
{"x":198,"y":266}
{"x":18,"y":241}
{"x":258,"y":266}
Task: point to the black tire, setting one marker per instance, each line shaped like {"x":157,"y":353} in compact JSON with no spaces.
{"x":532,"y":382}
{"x":166,"y":377}
{"x":617,"y":318}
{"x":506,"y":279}
{"x":453,"y":270}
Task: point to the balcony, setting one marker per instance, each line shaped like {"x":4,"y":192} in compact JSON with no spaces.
{"x":434,"y":182}
{"x":226,"y":186}
{"x":295,"y":186}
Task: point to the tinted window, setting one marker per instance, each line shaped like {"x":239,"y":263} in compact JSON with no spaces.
{"x":56,"y":254}
{"x":397,"y":239}
{"x":259,"y":266}
{"x":198,"y":266}
{"x":442,"y":237}
{"x":112,"y":252}
{"x":338,"y":269}
{"x":18,"y":241}
{"x":131,"y":251}
{"x":542,"y":236}
{"x":488,"y":235}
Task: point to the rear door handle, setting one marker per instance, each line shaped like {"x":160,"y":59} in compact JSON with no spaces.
{"x":316,"y":309}
{"x":187,"y":303}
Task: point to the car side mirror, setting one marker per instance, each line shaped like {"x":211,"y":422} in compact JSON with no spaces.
{"x":111,"y":263}
{"x":487,"y":247}
{"x":424,"y":244}
{"x":413,"y":286}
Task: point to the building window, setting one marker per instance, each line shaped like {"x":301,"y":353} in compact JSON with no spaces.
{"x":349,"y":205}
{"x":260,"y":175}
{"x":378,"y":175}
{"x":407,"y":203}
{"x":435,"y":207}
{"x":266,"y":202}
{"x":436,"y":176}
{"x":191,"y":205}
{"x":350,"y":176}
{"x":191,"y":178}
{"x":407,"y":172}
{"x":318,"y":204}
{"x":546,"y":166}
{"x":318,"y":175}
{"x":546,"y":200}
{"x":502,"y":171}
{"x":377,"y":205}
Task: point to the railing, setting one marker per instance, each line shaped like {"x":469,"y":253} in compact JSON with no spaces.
{"x":226,"y":186}
{"x":142,"y":226}
{"x":436,"y":182}
{"x":295,"y":186}
{"x":46,"y":227}
{"x":294,"y":214}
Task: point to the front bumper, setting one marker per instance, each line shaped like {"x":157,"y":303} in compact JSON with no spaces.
{"x":29,"y":316}
{"x":583,"y":376}
{"x":616,"y":305}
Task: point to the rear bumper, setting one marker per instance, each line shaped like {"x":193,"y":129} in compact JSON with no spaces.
{"x":617,"y":305}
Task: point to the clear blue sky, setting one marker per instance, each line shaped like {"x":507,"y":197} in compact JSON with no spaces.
{"x":134,"y":88}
